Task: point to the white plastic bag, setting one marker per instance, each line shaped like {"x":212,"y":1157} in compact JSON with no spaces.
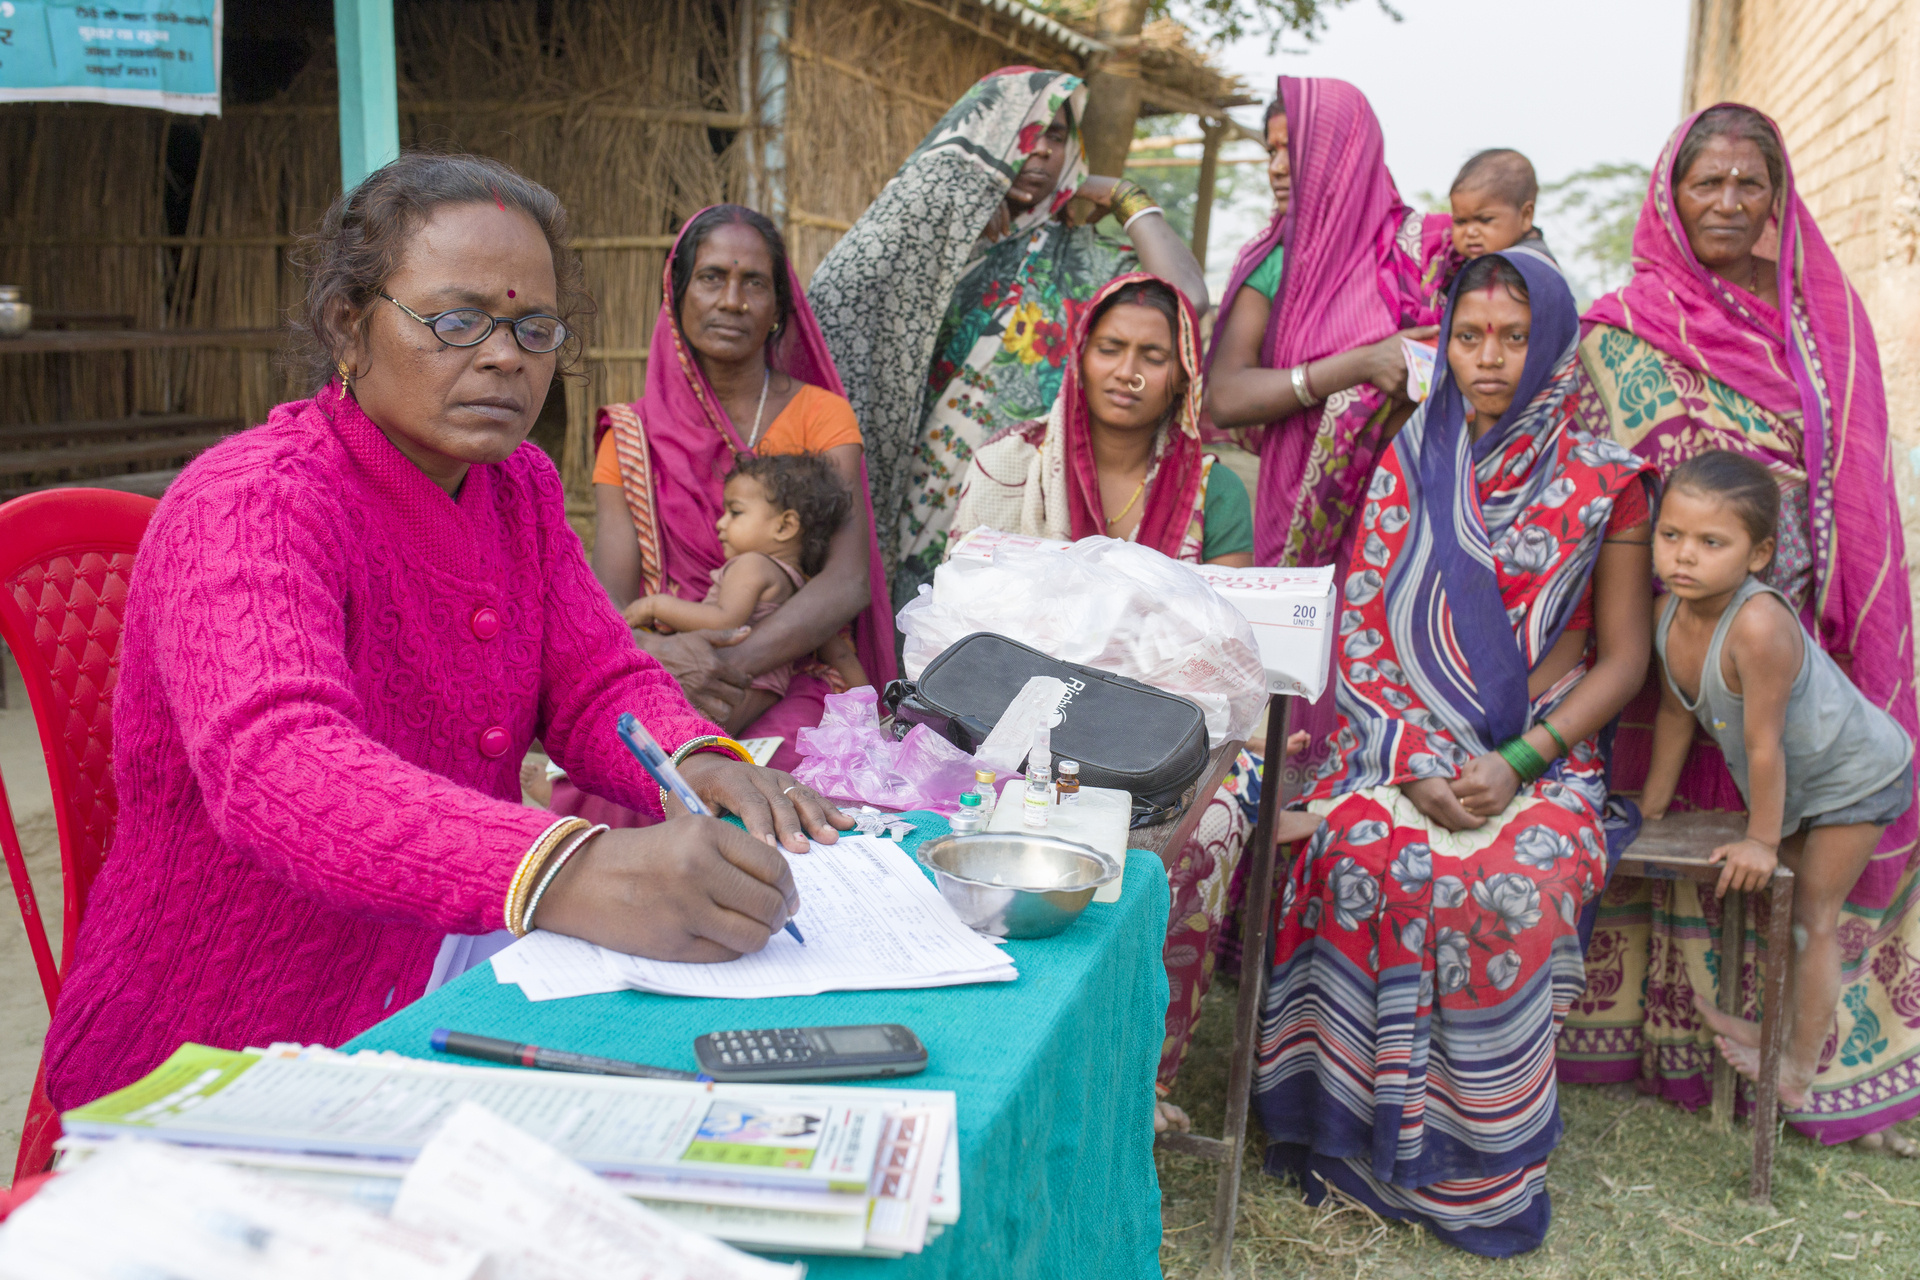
{"x":1116,"y":606}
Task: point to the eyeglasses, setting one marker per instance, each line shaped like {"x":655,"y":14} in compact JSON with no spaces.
{"x":471,"y":326}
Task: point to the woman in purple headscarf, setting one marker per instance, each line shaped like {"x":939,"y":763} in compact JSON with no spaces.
{"x":1306,"y":367}
{"x":1740,"y":331}
{"x":1428,"y":942}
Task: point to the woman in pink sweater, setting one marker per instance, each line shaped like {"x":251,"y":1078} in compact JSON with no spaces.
{"x":344,"y":628}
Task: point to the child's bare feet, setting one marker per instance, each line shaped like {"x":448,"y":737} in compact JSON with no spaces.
{"x":1887,"y":1142}
{"x":1167,"y":1116}
{"x":1795,"y":1085}
{"x":1725,"y":1024}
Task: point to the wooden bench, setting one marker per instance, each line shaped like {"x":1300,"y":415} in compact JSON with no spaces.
{"x":1676,"y":848}
{"x":86,"y":447}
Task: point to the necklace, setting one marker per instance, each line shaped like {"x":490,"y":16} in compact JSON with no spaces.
{"x":1137,"y":491}
{"x":766,"y":379}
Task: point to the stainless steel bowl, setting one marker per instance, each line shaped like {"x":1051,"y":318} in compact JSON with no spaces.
{"x":1011,"y":885}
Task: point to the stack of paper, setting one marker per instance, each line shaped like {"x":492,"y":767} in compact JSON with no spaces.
{"x":802,"y":1168}
{"x":872,"y":919}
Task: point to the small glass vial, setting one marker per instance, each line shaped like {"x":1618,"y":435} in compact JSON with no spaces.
{"x":970,"y":820}
{"x":1036,"y":802}
{"x":983,"y":780}
{"x":1066,"y":788}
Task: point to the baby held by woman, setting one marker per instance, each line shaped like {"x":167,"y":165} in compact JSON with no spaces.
{"x":1492,"y":203}
{"x":779,"y":513}
{"x":1823,"y":770}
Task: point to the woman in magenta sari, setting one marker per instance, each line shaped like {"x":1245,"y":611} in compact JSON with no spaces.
{"x":1740,"y":331}
{"x":1306,"y":367}
{"x":736,"y":366}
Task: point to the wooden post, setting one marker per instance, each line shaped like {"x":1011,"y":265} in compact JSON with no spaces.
{"x":369,"y":97}
{"x":1766,"y":1099}
{"x":1212,"y":131}
{"x":1113,"y":91}
{"x":1733,"y":952}
{"x":1255,"y":933}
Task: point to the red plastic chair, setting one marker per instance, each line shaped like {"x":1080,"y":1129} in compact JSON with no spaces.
{"x":65,"y":559}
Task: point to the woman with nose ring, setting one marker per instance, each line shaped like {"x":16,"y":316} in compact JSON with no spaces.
{"x":1119,"y":455}
{"x":948,"y":305}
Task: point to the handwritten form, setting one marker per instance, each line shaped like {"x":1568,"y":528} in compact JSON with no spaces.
{"x":873,"y":922}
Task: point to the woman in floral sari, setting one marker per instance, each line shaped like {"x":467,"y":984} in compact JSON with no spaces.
{"x":947,"y":306}
{"x":1124,"y":436}
{"x":1306,"y":367}
{"x":1428,"y":948}
{"x":1740,"y":331}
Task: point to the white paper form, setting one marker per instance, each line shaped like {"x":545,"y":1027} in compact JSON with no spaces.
{"x":873,"y":922}
{"x":553,"y":966}
{"x":543,"y":1217}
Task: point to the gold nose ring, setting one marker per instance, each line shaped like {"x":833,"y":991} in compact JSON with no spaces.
{"x":1138,"y":384}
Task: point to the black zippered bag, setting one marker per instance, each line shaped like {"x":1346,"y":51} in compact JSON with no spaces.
{"x":1125,"y":735}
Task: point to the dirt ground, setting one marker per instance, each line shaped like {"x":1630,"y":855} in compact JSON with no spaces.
{"x":23,"y":1007}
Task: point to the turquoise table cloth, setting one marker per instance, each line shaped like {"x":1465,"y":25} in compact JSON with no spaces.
{"x":1053,"y":1075}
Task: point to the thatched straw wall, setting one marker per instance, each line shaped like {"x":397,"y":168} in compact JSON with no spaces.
{"x":84,"y":173}
{"x":866,"y":83}
{"x":631,"y":113}
{"x":608,"y":103}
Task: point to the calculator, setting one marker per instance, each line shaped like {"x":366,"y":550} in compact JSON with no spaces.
{"x":811,"y":1053}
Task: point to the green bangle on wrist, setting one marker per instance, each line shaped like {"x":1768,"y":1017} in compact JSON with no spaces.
{"x":1555,"y":735}
{"x":1522,"y":758}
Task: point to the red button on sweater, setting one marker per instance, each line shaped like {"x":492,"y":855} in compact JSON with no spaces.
{"x":302,"y":813}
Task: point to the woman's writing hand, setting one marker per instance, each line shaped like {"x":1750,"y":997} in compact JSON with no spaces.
{"x":1749,"y":866}
{"x":1434,"y":797}
{"x":712,"y":684}
{"x":770,"y":802}
{"x":1386,"y":364}
{"x":690,"y":888}
{"x":1486,"y":785}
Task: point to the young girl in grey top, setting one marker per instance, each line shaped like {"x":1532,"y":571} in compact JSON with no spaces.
{"x":1823,"y":770}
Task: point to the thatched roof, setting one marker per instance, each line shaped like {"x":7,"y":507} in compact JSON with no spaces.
{"x":1178,"y":78}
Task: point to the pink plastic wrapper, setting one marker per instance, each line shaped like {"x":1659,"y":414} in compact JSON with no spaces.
{"x":849,"y":757}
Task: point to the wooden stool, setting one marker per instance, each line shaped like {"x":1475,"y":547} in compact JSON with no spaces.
{"x":1676,"y":848}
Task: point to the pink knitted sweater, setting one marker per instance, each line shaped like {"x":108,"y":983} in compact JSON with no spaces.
{"x":331,"y":673}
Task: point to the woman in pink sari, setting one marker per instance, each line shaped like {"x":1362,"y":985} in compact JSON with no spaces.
{"x":1740,"y":331}
{"x":1306,"y":367}
{"x":737,"y":366}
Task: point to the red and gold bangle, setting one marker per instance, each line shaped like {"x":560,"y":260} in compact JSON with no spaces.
{"x":706,"y":742}
{"x":529,"y":869}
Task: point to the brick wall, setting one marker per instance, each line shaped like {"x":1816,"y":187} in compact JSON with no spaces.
{"x":1842,"y":77}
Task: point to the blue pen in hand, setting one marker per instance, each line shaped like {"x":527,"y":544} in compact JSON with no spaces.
{"x":655,"y":761}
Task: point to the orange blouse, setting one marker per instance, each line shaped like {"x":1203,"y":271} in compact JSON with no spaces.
{"x":814,"y":421}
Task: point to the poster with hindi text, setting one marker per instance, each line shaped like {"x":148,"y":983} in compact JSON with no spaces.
{"x":163,"y":54}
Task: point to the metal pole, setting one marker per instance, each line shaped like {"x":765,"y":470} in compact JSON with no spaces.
{"x":369,"y":96}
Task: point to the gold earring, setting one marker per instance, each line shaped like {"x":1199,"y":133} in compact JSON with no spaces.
{"x":346,"y":377}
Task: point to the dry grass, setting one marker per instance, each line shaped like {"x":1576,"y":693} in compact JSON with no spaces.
{"x":1640,"y":1189}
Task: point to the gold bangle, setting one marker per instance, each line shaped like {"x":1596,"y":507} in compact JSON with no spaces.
{"x":529,"y":868}
{"x":705,"y":742}
{"x":563,"y":855}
